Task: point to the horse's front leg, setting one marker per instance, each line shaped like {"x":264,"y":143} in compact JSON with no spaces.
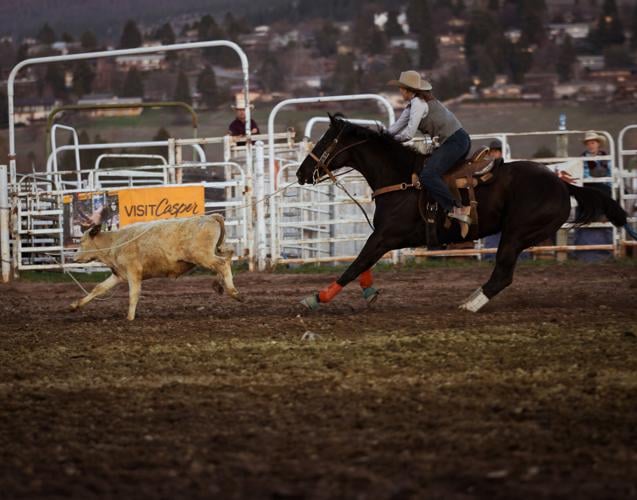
{"x":374,"y":249}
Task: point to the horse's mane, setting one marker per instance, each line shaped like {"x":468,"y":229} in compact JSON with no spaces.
{"x":403,"y":154}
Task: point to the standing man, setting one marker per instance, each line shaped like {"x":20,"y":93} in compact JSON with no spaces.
{"x":495,"y":150}
{"x":238,"y":126}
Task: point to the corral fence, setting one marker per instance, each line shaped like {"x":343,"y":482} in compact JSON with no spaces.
{"x":270,"y":219}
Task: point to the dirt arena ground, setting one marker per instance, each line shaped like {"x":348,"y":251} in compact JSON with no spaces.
{"x":204,"y":397}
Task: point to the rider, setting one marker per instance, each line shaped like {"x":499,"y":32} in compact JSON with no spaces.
{"x":426,"y":113}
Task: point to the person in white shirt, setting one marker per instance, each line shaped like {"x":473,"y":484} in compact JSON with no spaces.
{"x":428,"y":115}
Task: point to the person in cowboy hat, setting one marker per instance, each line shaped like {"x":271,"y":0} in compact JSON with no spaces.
{"x":238,"y":126}
{"x":495,"y":150}
{"x":595,"y":168}
{"x":426,"y":113}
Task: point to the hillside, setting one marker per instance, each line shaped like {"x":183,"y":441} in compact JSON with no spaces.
{"x":106,"y":17}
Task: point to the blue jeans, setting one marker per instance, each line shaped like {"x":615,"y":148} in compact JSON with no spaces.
{"x":454,"y":149}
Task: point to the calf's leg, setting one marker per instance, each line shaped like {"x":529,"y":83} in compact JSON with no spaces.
{"x":99,"y":289}
{"x":134,"y":289}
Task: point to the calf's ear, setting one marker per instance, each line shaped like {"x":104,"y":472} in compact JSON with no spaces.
{"x":94,"y":230}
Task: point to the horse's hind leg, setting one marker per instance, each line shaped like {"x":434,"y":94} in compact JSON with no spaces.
{"x":511,"y":246}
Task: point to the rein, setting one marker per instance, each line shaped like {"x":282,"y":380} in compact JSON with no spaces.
{"x":415,"y":184}
{"x":323,"y":163}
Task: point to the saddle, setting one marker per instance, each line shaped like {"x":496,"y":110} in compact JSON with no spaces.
{"x":466,"y":175}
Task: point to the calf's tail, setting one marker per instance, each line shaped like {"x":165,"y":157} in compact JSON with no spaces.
{"x":220,"y":249}
{"x":592,"y":203}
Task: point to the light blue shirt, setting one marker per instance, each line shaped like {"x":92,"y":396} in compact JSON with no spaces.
{"x":405,"y":128}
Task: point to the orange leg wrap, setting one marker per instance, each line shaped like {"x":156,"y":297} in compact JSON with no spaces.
{"x":366,"y":280}
{"x":330,"y":292}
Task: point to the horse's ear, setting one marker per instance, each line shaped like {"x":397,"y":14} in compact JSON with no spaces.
{"x":331,"y":117}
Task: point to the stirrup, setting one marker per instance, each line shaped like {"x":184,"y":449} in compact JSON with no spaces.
{"x":466,"y":219}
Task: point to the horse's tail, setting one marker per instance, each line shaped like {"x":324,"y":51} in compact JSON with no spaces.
{"x":592,"y":203}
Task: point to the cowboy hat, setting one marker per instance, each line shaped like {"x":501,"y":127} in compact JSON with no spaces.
{"x":240,"y":103}
{"x":591,"y":135}
{"x":411,"y":80}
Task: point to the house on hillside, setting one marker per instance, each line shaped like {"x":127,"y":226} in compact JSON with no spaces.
{"x":29,"y":110}
{"x":142,"y":62}
{"x":105,"y":99}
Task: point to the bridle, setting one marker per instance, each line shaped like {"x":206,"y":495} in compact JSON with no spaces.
{"x":323,"y":163}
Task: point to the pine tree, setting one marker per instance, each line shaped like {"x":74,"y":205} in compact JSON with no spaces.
{"x":46,"y":35}
{"x":131,"y":36}
{"x":392,"y":26}
{"x":377,"y":43}
{"x":326,"y":39}
{"x":414,"y":15}
{"x":208,"y":29}
{"x":270,"y":73}
{"x":610,"y":30}
{"x":182,"y":89}
{"x":427,"y":42}
{"x":207,"y":87}
{"x":633,"y":29}
{"x":54,"y":77}
{"x":565,"y":59}
{"x":67,"y":38}
{"x":165,"y":34}
{"x":401,"y":60}
{"x":83,"y":76}
{"x":486,"y":68}
{"x":494,"y":5}
{"x":133,"y":85}
{"x":88,"y":40}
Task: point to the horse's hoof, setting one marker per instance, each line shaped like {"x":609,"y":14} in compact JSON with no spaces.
{"x":311,"y":302}
{"x":370,"y":294}
{"x":475,"y":302}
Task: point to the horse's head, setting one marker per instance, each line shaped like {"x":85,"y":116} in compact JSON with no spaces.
{"x":329,"y":154}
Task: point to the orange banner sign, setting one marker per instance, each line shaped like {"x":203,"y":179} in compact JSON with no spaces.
{"x":146,"y":204}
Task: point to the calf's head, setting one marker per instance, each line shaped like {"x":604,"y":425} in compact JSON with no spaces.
{"x":89,"y":249}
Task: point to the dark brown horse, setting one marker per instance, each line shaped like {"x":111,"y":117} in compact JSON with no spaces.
{"x":526,"y":202}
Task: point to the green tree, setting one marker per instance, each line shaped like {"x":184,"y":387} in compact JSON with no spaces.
{"x":609,"y":29}
{"x":617,"y":56}
{"x":207,"y":87}
{"x":400,"y":60}
{"x":234,"y":27}
{"x":566,"y":59}
{"x":494,"y":5}
{"x":208,"y":29}
{"x":364,"y":28}
{"x":270,"y":73}
{"x":459,"y":8}
{"x":133,"y":85}
{"x":46,"y":35}
{"x":66,"y":37}
{"x":22,"y":54}
{"x":182,"y":89}
{"x":54,"y":78}
{"x":88,"y":40}
{"x":4,"y":115}
{"x":392,"y":26}
{"x":326,"y":39}
{"x":377,"y":42}
{"x":633,"y":29}
{"x":346,"y":78}
{"x":83,"y":76}
{"x":519,"y":61}
{"x":131,"y":36}
{"x":165,"y":34}
{"x":486,"y":68}
{"x":421,"y":22}
{"x":533,"y":15}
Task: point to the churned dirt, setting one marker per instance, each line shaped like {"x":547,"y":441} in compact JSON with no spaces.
{"x":204,"y":397}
